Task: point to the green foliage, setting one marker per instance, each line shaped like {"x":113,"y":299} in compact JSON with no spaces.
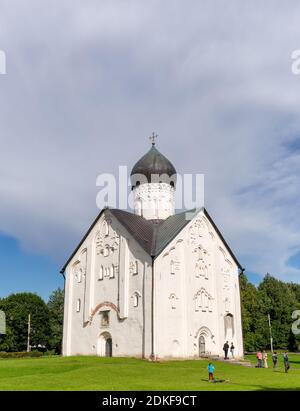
{"x":272,"y":297}
{"x":17,"y":307}
{"x":56,"y":311}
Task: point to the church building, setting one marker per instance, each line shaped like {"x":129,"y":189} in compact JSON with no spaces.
{"x":152,"y":284}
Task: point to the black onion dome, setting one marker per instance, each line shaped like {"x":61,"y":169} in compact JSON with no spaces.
{"x":155,"y":167}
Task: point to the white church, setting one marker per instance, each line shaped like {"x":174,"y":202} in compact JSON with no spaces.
{"x":152,"y":284}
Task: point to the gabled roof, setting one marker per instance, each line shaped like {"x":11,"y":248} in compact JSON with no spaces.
{"x":152,"y":235}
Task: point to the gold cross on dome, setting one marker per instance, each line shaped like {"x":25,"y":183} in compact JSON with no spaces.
{"x":153,"y":137}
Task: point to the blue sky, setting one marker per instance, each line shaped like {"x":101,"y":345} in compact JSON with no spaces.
{"x":88,"y":82}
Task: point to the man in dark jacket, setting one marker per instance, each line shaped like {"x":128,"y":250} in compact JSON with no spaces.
{"x":225,"y":349}
{"x":286,"y":362}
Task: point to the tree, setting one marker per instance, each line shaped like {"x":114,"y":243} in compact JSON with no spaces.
{"x":251,"y":314}
{"x":17,"y":307}
{"x":279,"y":301}
{"x":272,"y":297}
{"x":56,"y":310}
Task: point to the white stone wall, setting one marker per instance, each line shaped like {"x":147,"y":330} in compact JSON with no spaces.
{"x":154,"y":200}
{"x":193,"y":298}
{"x":196,"y":286}
{"x":109,"y":268}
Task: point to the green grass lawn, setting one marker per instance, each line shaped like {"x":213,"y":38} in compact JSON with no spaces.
{"x":93,"y":373}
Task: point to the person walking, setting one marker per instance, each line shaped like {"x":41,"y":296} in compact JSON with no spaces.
{"x":275,"y":359}
{"x":232,"y":350}
{"x":286,"y":362}
{"x":225,"y":349}
{"x":265,"y":359}
{"x":259,"y":359}
{"x":211,"y":370}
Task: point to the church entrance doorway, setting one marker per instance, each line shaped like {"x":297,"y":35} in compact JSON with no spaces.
{"x":201,"y":345}
{"x":105,"y":345}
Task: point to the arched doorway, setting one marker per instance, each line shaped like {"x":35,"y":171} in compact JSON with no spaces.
{"x":201,"y":345}
{"x":108,"y":347}
{"x":205,"y":343}
{"x":105,"y":345}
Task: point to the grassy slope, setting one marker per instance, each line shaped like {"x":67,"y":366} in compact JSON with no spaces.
{"x":91,"y":373}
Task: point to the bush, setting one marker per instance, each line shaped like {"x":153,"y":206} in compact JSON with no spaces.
{"x":50,"y":353}
{"x":22,"y":354}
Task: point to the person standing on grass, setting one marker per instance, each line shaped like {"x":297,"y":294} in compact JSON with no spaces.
{"x":275,"y":359}
{"x":259,"y":359}
{"x":232,"y":350}
{"x":225,"y":349}
{"x":265,"y":358}
{"x":286,"y":362}
{"x":211,"y":370}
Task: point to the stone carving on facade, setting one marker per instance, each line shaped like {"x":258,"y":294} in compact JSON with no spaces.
{"x":133,"y":267}
{"x":107,"y":240}
{"x":98,"y":242}
{"x":77,"y":271}
{"x":198,"y":229}
{"x":226,"y":268}
{"x":203,"y":265}
{"x":79,"y":268}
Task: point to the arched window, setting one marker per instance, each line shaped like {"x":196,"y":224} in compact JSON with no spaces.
{"x":78,"y":305}
{"x":106,"y":251}
{"x":229,"y":326}
{"x":112,"y":272}
{"x":105,"y":228}
{"x":135,"y":300}
{"x":79,"y":275}
{"x":76,"y":271}
{"x":135,"y":268}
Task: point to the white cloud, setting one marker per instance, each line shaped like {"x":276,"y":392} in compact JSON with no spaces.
{"x":87,"y":83}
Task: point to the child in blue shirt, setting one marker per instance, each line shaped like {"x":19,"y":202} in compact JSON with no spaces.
{"x":211,"y":370}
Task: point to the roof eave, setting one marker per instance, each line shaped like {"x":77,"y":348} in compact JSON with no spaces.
{"x":82,"y":241}
{"x":223,"y":239}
